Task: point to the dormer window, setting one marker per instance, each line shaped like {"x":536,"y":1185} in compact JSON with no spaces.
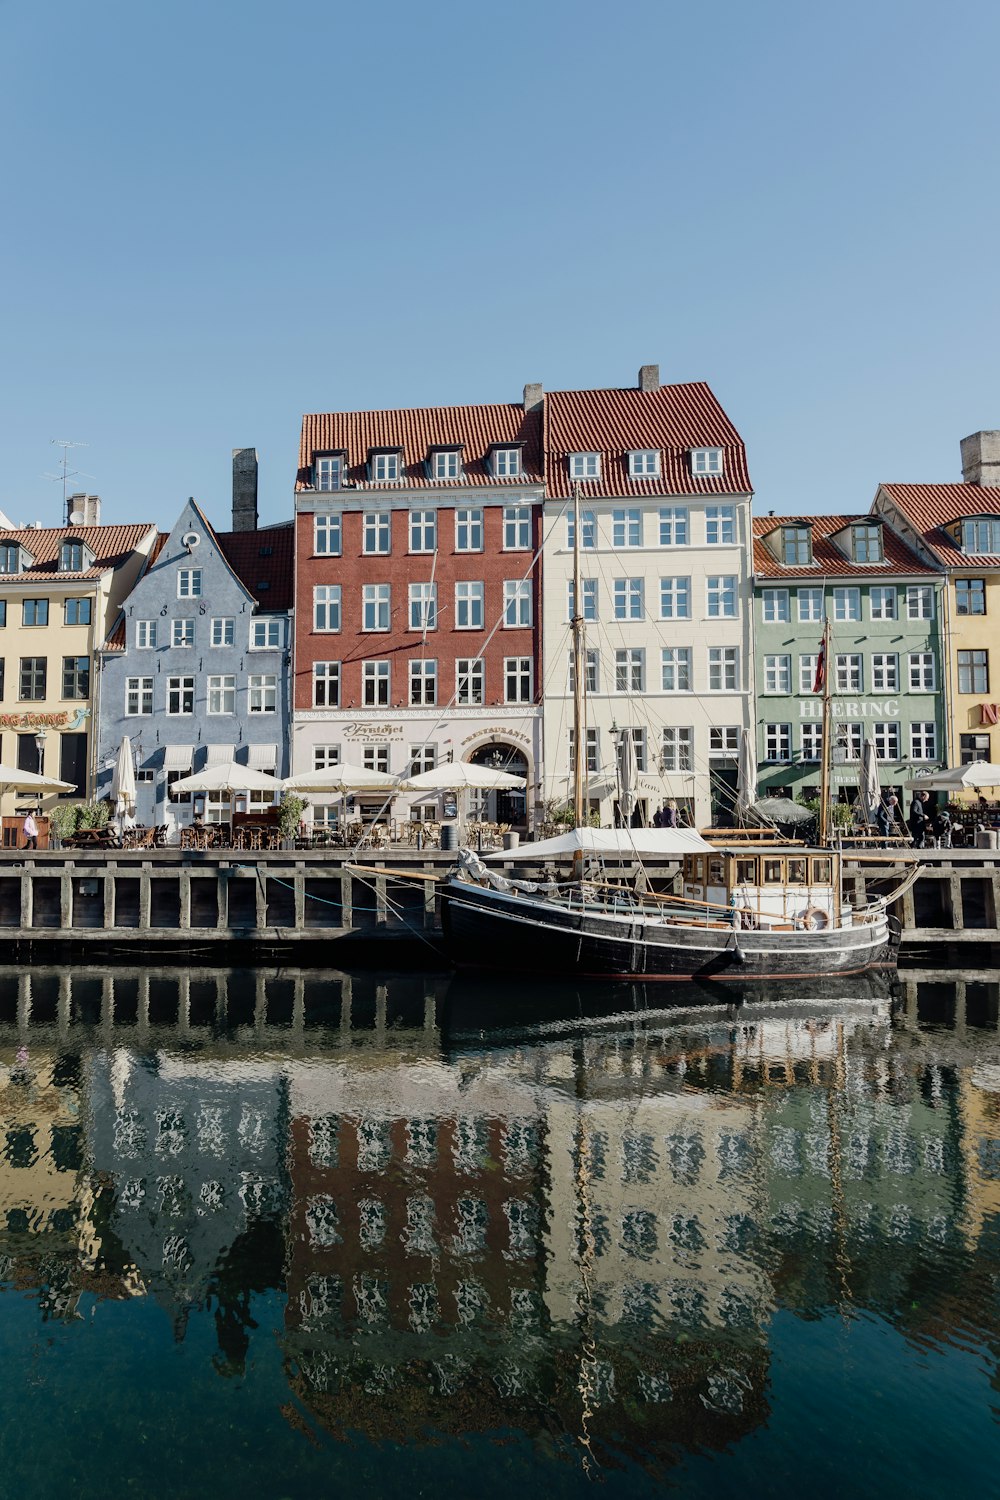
{"x":706,"y":461}
{"x":10,"y":558}
{"x":585,"y":466}
{"x":796,"y":546}
{"x":506,"y":463}
{"x":981,"y":536}
{"x":644,"y":463}
{"x":74,"y":556}
{"x":866,"y":543}
{"x":329,"y":471}
{"x":384,"y":466}
{"x":446,"y":463}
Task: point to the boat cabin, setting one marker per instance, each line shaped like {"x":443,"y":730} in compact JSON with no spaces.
{"x":798,"y":889}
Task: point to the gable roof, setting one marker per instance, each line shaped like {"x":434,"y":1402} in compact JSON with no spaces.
{"x":416,"y":430}
{"x":931,"y":507}
{"x":110,"y":545}
{"x":672,"y":419}
{"x":828,"y":559}
{"x":268,"y":577}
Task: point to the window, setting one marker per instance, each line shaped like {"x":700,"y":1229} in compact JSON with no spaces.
{"x":517,"y":679}
{"x":262,"y":697}
{"x":846,"y":604}
{"x":724,"y":742}
{"x":325,"y":757}
{"x":376,"y":758}
{"x":423,"y":682}
{"x":469,"y":530}
{"x":590,"y":673}
{"x":886,"y":737}
{"x":222,"y":695}
{"x":506,"y":463}
{"x":10,"y":558}
{"x":376,"y":606}
{"x":138,"y":696}
{"x":808,"y":662}
{"x":588,"y":603}
{"x":811,"y":741}
{"x":422,"y":758}
{"x":423,"y":530}
{"x":76,"y":677}
{"x":329,"y":472}
{"x":848,"y":740}
{"x":885,"y":672}
{"x":71,"y":557}
{"x":643,"y":461}
{"x":866,"y":542}
{"x":675,"y":598}
{"x":630,"y":670}
{"x":796,"y":546}
{"x":585,"y":466}
{"x":970,"y":596}
{"x":973,"y":747}
{"x":628,"y":599}
{"x":777,"y":674}
{"x":447,"y":464}
{"x":375,"y":683}
{"x":267,"y":635}
{"x":145,"y":635}
{"x":721,"y":596}
{"x":674,"y":526}
{"x":591,"y":751}
{"x":724,"y":669}
{"x":384,"y":467}
{"x":706,"y":460}
{"x":626,"y":528}
{"x":223,"y":631}
{"x":922,"y":673}
{"x":182,"y":632}
{"x":517,"y":601}
{"x":3,"y":612}
{"x":34,"y":675}
{"x":882,"y":603}
{"x":981,"y":536}
{"x":920,"y":601}
{"x":588,"y":530}
{"x":973,"y":672}
{"x":675,"y":669}
{"x":778,"y":742}
{"x":810,"y":602}
{"x":180,"y":695}
{"x":376,"y":532}
{"x":326,"y":686}
{"x":468,"y":680}
{"x":327,"y":540}
{"x":775,"y":606}
{"x":720,"y":525}
{"x":923,"y":740}
{"x":849,"y":672}
{"x":189,"y":583}
{"x":516,"y":528}
{"x":34,"y":612}
{"x":468,"y":606}
{"x":75,"y":611}
{"x":678,"y":749}
{"x":326,"y":606}
{"x":423,"y":606}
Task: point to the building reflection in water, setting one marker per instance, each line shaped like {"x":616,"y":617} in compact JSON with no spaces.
{"x":576,"y":1228}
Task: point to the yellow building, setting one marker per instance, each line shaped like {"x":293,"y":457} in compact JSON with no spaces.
{"x":61,"y":589}
{"x":956,"y":528}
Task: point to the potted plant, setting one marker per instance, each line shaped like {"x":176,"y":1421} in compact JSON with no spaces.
{"x":63,"y":821}
{"x":290,"y":810}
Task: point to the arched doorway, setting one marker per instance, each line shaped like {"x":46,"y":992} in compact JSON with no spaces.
{"x":501,"y":806}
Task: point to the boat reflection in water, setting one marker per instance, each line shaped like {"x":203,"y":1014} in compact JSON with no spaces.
{"x":607,"y":1237}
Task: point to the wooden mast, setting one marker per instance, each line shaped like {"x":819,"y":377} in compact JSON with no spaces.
{"x":579,"y":668}
{"x":827,"y":748}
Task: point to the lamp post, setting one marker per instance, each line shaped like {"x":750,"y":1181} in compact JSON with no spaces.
{"x":40,"y":739}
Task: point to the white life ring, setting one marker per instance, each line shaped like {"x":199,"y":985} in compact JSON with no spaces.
{"x":813,"y":919}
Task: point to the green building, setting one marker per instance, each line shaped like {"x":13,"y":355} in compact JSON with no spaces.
{"x":885,"y":658}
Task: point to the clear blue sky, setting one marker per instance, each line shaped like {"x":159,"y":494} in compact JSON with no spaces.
{"x":217,"y":217}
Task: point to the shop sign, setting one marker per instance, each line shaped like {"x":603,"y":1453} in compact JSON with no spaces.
{"x":498,"y":732}
{"x":373,"y":733}
{"x":877,"y":708}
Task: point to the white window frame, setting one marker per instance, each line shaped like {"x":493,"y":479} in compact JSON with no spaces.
{"x":809,"y":605}
{"x":273,"y":632}
{"x":517,"y":528}
{"x":888,"y":740}
{"x":376,"y":608}
{"x":221,"y":689}
{"x":584,"y":466}
{"x":518,"y":672}
{"x":423,"y":531}
{"x":849,"y":672}
{"x":778,"y":743}
{"x":328,"y":471}
{"x":325,"y":756}
{"x":469,"y":527}
{"x":328,"y":539}
{"x":423,"y":606}
{"x":677,"y":752}
{"x":778,"y":673}
{"x":811,"y":741}
{"x":885,"y":594}
{"x":721,"y":599}
{"x":180,"y":686}
{"x":447,"y":464}
{"x":588,"y":600}
{"x":920,"y":601}
{"x":588,"y":530}
{"x":384,"y":468}
{"x":644,"y":463}
{"x":629,"y":598}
{"x":626,"y":527}
{"x":423,"y":670}
{"x":675,"y":597}
{"x":470,"y":681}
{"x":470,"y":604}
{"x":675,"y":669}
{"x":675,"y":526}
{"x":921,"y":671}
{"x":376,"y":529}
{"x":140,"y":691}
{"x":326,"y":680}
{"x":846,"y":602}
{"x":182,"y":633}
{"x":724,"y":669}
{"x":885,"y":672}
{"x":630,"y":669}
{"x":923,"y":739}
{"x":262,"y":693}
{"x":517,"y":612}
{"x":808,"y":662}
{"x":720,"y":525}
{"x":145,"y":635}
{"x":775,"y":606}
{"x":189,"y":583}
{"x":707,"y":461}
{"x":222,"y":626}
{"x":723,"y":741}
{"x":326,"y":608}
{"x":506,"y":463}
{"x":376,"y":683}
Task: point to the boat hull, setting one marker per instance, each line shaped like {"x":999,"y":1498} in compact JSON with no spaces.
{"x":484,"y":928}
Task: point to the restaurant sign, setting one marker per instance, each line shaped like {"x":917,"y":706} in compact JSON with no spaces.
{"x":851,"y":708}
{"x":373,"y":734}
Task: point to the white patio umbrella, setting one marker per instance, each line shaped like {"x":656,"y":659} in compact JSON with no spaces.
{"x":869,"y":787}
{"x":628,"y":776}
{"x":123,"y":780}
{"x":746,"y":775}
{"x":346,"y":778}
{"x":12,"y":779}
{"x":228,"y":777}
{"x":462,"y":773}
{"x":982,"y":773}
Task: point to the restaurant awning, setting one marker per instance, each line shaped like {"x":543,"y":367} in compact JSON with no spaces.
{"x":219,"y":754}
{"x":263,"y":757}
{"x":178,"y":757}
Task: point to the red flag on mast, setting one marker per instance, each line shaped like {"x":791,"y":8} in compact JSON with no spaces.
{"x":820,"y":677}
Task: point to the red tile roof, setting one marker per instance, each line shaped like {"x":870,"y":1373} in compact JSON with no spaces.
{"x":672,"y":419}
{"x":828,"y":560}
{"x":416,"y":430}
{"x":268,"y":577}
{"x":111,"y":545}
{"x":931,"y":507}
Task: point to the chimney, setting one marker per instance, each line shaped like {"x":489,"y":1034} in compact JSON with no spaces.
{"x":83,"y":510}
{"x":244,"y":489}
{"x":534,"y":396}
{"x":981,"y":459}
{"x":649,"y":378}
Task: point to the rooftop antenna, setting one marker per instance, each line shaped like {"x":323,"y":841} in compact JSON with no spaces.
{"x":66,"y":473}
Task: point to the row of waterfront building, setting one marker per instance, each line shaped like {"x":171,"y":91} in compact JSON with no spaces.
{"x":416,"y":609}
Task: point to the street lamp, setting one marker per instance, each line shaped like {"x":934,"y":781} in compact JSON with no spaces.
{"x":40,"y":739}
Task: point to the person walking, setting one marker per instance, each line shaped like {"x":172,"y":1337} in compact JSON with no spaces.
{"x":30,"y":832}
{"x":942,"y":828}
{"x":670,"y":816}
{"x":918,"y":818}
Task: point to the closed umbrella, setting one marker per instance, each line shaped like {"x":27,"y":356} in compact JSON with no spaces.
{"x":628,"y":776}
{"x":123,"y":780}
{"x":870,"y":788}
{"x":746,"y":776}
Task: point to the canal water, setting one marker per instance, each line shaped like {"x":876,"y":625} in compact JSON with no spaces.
{"x":279,"y":1233}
